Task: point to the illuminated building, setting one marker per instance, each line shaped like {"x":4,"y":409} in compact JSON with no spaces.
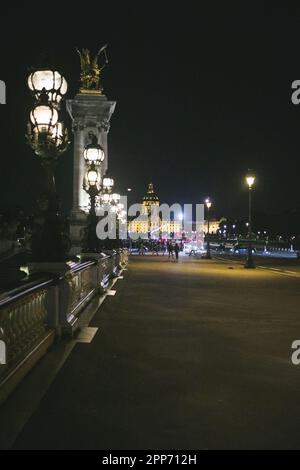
{"x":150,"y":199}
{"x":214,"y":225}
{"x":162,"y":228}
{"x":158,"y":227}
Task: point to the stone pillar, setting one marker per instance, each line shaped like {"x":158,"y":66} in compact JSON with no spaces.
{"x":89,"y":113}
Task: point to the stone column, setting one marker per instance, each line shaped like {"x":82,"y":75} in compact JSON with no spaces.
{"x":89,"y":113}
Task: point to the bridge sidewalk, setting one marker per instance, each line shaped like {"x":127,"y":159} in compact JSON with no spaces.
{"x":178,"y":361}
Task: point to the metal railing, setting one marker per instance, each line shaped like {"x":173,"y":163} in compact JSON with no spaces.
{"x":51,"y":304}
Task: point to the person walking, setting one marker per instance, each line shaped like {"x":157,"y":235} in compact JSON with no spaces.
{"x":170,"y":249}
{"x":176,"y":249}
{"x":141,"y":248}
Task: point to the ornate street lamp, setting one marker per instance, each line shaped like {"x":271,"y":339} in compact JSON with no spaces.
{"x":105,"y":198}
{"x":250,"y":180}
{"x":94,"y":156}
{"x":92,"y":187}
{"x":94,"y":153}
{"x":208,"y":206}
{"x":116,"y":198}
{"x":107,"y":183}
{"x":48,"y":138}
{"x":50,"y":82}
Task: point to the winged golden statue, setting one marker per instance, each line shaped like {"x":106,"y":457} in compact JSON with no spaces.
{"x":91,"y":70}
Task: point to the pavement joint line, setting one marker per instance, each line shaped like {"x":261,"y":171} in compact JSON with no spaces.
{"x":279,"y":271}
{"x":287,"y":274}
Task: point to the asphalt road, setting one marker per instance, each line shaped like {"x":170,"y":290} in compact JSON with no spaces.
{"x":188,"y":355}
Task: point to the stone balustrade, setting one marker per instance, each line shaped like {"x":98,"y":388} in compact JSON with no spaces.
{"x":32,"y":316}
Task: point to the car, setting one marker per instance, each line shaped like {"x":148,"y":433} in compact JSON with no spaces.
{"x":238,"y":249}
{"x":193,"y":249}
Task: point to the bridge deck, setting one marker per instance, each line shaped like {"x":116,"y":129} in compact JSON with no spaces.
{"x":188,"y":355}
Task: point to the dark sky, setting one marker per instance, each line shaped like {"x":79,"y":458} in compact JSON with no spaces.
{"x":202,"y":95}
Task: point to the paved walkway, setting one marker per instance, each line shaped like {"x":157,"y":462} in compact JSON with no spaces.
{"x":191,"y":355}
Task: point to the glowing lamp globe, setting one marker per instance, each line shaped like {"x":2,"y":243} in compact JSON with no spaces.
{"x":52,"y":82}
{"x":208,"y":203}
{"x":43,"y":117}
{"x":105,"y":198}
{"x":250,"y":179}
{"x":92,"y":177}
{"x":115,"y":197}
{"x":108,"y":182}
{"x":94,"y":153}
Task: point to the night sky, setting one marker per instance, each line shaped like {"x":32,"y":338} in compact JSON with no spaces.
{"x":202,"y":95}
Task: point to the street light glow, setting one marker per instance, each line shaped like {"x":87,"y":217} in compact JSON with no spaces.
{"x":49,"y":81}
{"x":44,"y":116}
{"x":250,"y":178}
{"x":108,"y":182}
{"x":208,"y":203}
{"x":92,"y":177}
{"x":93,"y":153}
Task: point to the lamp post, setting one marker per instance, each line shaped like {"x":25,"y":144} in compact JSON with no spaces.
{"x":94,"y":156}
{"x":208,"y":206}
{"x":112,"y":201}
{"x":48,"y":138}
{"x":92,"y":187}
{"x":250,"y":179}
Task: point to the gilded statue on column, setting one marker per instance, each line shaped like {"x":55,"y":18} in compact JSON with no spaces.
{"x":91,"y":71}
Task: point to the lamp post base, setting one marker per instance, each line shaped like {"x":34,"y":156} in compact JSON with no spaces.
{"x":207,"y":255}
{"x":249,"y":263}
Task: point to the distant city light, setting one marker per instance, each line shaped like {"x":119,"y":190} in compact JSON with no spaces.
{"x":250,"y":178}
{"x":208,"y":203}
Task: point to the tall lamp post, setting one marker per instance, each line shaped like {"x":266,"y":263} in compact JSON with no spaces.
{"x":49,"y":139}
{"x":208,"y":206}
{"x":112,"y":202}
{"x":91,"y":186}
{"x":94,"y":156}
{"x":250,"y":179}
